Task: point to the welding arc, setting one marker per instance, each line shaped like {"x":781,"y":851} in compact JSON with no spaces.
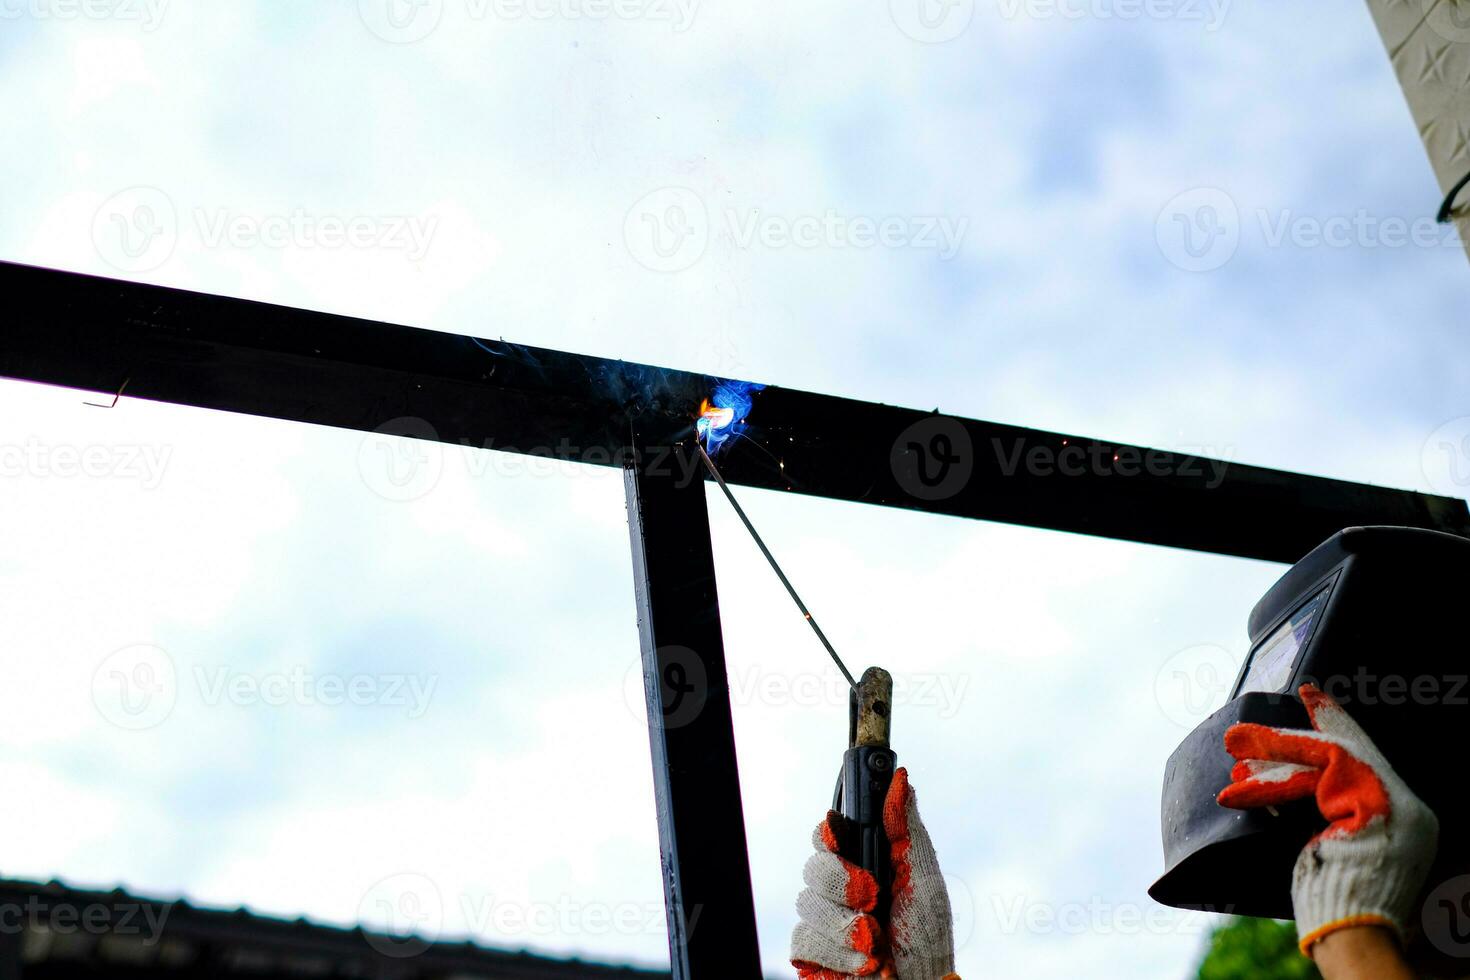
{"x":710,"y":465}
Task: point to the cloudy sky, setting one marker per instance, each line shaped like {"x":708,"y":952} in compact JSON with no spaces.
{"x":246,"y":667}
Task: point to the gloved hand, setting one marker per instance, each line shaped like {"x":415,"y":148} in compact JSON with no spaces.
{"x":838,"y":937}
{"x":1368,"y":866}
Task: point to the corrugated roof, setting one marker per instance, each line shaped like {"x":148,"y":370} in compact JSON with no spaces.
{"x":117,"y":928}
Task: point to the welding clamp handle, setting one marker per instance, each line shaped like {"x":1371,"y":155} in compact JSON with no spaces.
{"x":867,"y":774}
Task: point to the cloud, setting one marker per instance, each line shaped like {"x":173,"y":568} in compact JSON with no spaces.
{"x":526,"y":142}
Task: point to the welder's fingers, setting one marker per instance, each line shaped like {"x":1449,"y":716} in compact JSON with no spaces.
{"x":1247,"y":741}
{"x":901,"y":823}
{"x":1350,"y":795}
{"x":1338,"y":764}
{"x":836,"y":937}
{"x":908,"y":838}
{"x":1331,"y":719}
{"x":833,"y":936}
{"x":839,"y":880}
{"x":1275,"y":766}
{"x":827,"y":836}
{"x":811,"y":971}
{"x":896,"y":807}
{"x":1259,"y":783}
{"x":921,"y":925}
{"x":834,"y":876}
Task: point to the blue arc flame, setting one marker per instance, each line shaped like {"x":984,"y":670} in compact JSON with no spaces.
{"x":730,"y":406}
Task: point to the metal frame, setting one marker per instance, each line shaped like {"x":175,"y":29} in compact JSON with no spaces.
{"x":191,"y":348}
{"x":236,"y":355}
{"x":701,"y":823}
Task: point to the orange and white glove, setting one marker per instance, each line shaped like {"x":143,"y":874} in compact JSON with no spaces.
{"x":1368,"y":866}
{"x":838,"y":938}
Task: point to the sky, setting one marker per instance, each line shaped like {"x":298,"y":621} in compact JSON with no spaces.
{"x":247,"y":666}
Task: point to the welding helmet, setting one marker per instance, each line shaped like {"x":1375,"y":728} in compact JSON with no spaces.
{"x":1374,"y":616}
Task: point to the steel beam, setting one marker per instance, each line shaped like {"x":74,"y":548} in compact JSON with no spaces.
{"x":236,"y":355}
{"x":701,"y":823}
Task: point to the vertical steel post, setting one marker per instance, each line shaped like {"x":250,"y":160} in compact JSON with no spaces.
{"x":701,"y":825}
{"x":12,"y":943}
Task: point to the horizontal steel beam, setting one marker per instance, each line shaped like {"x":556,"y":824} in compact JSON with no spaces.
{"x":237,"y":355}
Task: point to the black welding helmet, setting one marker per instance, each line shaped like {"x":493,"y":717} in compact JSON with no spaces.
{"x":1375,"y":616}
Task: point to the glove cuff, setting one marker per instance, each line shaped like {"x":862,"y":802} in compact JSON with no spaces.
{"x":1310,"y":939}
{"x":1339,"y":893}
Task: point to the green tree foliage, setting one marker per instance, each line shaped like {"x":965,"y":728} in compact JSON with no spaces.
{"x":1255,"y":949}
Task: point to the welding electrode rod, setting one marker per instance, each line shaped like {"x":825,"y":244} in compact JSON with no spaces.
{"x":710,"y":465}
